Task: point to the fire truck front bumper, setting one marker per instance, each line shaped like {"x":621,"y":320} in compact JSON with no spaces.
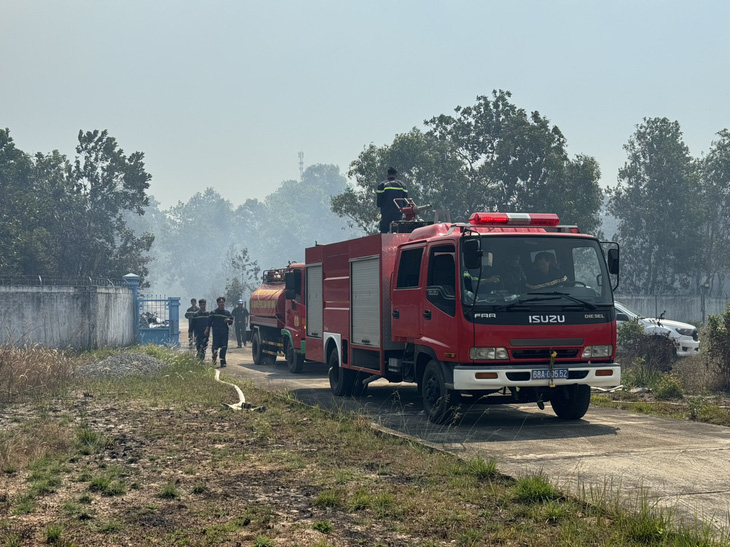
{"x":480,"y":377}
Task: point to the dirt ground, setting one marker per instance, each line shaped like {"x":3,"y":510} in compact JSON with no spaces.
{"x":179,"y":476}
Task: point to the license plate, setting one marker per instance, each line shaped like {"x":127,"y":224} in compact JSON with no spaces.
{"x":545,"y":374}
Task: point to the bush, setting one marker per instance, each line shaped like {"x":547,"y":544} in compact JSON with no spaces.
{"x":657,"y":351}
{"x":717,"y":344}
{"x":669,"y":387}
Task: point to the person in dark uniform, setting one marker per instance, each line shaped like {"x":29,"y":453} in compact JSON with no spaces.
{"x":387,"y":191}
{"x":240,"y":316}
{"x":489,"y":280}
{"x":545,"y":272}
{"x":200,"y":329}
{"x":189,"y":313}
{"x":218,"y":322}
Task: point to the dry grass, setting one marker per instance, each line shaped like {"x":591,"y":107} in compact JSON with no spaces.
{"x":30,"y":372}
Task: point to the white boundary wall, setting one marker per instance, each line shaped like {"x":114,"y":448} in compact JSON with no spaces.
{"x":67,"y":317}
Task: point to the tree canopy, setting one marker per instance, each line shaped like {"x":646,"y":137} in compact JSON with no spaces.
{"x":487,"y":157}
{"x":657,"y":208}
{"x":69,"y":217}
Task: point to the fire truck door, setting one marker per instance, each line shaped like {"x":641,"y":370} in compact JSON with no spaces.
{"x":407,"y":295}
{"x":439,"y":307}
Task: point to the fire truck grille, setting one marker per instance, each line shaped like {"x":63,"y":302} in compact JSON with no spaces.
{"x":543,"y":353}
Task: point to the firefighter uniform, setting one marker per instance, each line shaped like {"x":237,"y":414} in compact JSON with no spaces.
{"x":240,"y":315}
{"x":218,"y":323}
{"x":387,"y":191}
{"x":199,"y":322}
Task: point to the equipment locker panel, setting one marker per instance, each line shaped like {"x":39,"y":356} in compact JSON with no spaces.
{"x":365,"y":299}
{"x":314,"y":301}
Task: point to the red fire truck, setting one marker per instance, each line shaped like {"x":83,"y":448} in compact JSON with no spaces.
{"x":271,"y":312}
{"x":507,"y":308}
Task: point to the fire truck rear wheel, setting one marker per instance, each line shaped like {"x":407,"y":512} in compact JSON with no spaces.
{"x":438,"y":401}
{"x":256,"y":348}
{"x":341,"y":380}
{"x":294,"y":360}
{"x":571,"y":402}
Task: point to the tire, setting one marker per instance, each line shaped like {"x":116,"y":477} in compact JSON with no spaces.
{"x":294,"y":359}
{"x":341,"y":380}
{"x":571,"y":402}
{"x":438,"y":402}
{"x":256,"y":348}
{"x":359,"y":388}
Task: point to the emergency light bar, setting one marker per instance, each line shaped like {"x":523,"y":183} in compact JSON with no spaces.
{"x":514,"y":219}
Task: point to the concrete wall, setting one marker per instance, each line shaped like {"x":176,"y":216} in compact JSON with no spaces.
{"x":687,"y":309}
{"x":63,"y":317}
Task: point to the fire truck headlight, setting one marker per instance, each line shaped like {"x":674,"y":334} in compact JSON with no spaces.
{"x":597,"y":352}
{"x":488,"y":354}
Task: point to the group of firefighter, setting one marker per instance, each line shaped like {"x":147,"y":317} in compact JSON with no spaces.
{"x":203,"y":323}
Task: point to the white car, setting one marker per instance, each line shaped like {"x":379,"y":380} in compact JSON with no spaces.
{"x":685,"y":336}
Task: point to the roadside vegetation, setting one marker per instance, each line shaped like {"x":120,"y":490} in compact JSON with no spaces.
{"x":159,"y":459}
{"x":656,"y":382}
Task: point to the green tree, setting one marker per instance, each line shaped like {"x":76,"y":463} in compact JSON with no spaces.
{"x":67,"y":219}
{"x":108,"y":183}
{"x":715,"y":207}
{"x":490,"y":156}
{"x":242,"y":276}
{"x":15,"y":177}
{"x":655,"y":204}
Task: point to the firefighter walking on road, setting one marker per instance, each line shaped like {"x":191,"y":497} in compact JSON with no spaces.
{"x":219,"y":321}
{"x":199,"y":324}
{"x":387,"y":191}
{"x":240,"y":316}
{"x":189,"y":313}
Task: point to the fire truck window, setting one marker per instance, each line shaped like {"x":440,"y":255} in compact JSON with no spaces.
{"x":442,"y":279}
{"x":409,"y":268}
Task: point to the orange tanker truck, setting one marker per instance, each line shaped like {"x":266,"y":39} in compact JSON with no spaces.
{"x":276,"y":304}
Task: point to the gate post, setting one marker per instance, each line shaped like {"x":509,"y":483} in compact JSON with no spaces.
{"x":133,"y":282}
{"x":173,"y":303}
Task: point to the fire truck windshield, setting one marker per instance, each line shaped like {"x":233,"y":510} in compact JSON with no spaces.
{"x":550,"y":270}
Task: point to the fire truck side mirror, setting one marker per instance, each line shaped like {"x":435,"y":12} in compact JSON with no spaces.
{"x":290,"y":283}
{"x":472,"y":253}
{"x":613,"y":263}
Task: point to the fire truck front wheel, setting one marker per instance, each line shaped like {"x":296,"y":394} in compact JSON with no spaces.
{"x":341,"y":380}
{"x":571,"y":402}
{"x":438,"y":401}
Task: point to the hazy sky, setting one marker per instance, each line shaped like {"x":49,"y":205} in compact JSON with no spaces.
{"x":227,"y":93}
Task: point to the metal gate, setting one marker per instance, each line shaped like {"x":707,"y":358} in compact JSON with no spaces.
{"x":159,"y":321}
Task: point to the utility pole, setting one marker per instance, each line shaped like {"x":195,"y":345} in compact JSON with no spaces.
{"x":301,"y":166}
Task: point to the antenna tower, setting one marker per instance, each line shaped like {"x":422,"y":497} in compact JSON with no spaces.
{"x":301,"y":166}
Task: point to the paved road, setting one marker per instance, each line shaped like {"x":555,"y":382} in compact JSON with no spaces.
{"x":681,"y":465}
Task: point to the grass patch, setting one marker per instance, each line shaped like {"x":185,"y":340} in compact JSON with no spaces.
{"x":168,"y":433}
{"x":169,"y":491}
{"x":534,"y":489}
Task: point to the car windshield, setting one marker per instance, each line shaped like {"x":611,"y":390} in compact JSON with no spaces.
{"x":536,"y":270}
{"x":632,"y":315}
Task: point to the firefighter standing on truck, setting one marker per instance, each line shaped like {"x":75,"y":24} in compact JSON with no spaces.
{"x":220,"y":319}
{"x":387,"y":191}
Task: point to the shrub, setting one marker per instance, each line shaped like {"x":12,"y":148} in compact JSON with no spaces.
{"x":717,"y":344}
{"x":657,"y":350}
{"x":669,"y":387}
